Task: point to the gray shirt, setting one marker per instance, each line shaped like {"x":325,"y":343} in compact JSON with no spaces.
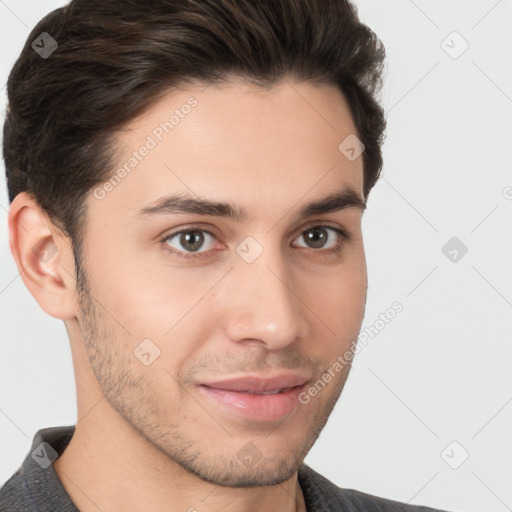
{"x":35,"y":486}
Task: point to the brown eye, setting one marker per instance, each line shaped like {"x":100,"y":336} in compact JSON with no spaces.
{"x":321,"y":237}
{"x":316,"y":237}
{"x":190,"y":240}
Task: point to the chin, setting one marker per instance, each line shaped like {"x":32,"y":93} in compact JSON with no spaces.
{"x":237,"y":473}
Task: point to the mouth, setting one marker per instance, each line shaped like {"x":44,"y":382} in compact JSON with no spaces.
{"x":267,"y":392}
{"x":256,"y":399}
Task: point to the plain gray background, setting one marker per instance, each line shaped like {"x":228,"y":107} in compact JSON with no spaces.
{"x":434,"y":385}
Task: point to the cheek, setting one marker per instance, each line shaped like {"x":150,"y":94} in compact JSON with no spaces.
{"x":156,"y":301}
{"x":339,"y":296}
{"x":342,"y":302}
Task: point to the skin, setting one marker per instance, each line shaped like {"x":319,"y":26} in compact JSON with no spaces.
{"x":146,"y":439}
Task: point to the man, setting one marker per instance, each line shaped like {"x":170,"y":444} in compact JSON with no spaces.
{"x":187,"y":181}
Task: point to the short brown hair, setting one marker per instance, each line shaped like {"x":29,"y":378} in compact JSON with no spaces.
{"x":115,"y":58}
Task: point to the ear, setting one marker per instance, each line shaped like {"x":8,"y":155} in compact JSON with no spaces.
{"x":44,"y":258}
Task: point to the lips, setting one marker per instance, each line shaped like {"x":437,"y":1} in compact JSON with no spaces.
{"x":255,"y":398}
{"x":260,"y":385}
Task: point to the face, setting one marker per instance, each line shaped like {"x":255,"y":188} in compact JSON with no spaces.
{"x":205,"y":307}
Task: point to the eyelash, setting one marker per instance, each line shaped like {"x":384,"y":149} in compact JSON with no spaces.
{"x":344,"y":237}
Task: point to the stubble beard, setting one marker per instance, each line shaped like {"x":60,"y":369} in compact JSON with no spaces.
{"x":121,"y":385}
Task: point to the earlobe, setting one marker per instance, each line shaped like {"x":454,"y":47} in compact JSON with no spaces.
{"x":43,"y":257}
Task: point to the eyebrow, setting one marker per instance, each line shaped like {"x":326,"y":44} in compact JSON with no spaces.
{"x":183,"y":204}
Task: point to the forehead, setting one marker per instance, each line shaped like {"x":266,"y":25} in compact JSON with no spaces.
{"x":236,"y":141}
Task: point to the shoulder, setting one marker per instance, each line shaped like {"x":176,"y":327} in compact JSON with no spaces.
{"x":322,"y":495}
{"x":14,"y":495}
{"x":35,"y":486}
{"x":369,"y":503}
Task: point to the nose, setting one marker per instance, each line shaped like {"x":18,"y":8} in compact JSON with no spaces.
{"x":262,"y":307}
